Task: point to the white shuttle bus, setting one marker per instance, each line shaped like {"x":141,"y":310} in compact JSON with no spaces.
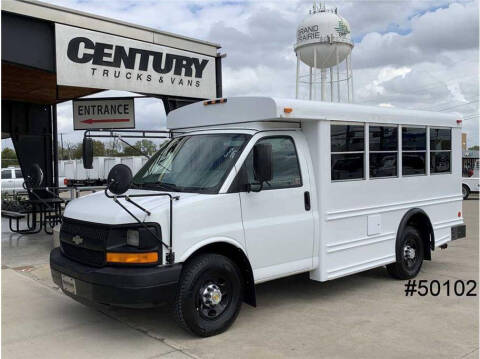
{"x":251,"y":189}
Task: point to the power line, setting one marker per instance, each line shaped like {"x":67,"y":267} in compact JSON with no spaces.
{"x":463,"y":104}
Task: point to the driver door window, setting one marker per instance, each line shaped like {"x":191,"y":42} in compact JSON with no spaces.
{"x":286,"y":170}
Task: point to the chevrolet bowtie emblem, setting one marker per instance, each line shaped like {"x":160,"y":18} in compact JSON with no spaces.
{"x":77,"y":240}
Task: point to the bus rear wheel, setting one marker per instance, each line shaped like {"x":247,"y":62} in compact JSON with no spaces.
{"x":409,"y":252}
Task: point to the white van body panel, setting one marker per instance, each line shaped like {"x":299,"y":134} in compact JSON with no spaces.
{"x":69,"y":168}
{"x":347,"y":208}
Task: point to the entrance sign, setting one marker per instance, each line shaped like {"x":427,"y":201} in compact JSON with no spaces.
{"x":92,"y":59}
{"x":103,"y":113}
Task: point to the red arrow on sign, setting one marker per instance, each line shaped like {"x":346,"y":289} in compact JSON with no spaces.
{"x":91,"y":120}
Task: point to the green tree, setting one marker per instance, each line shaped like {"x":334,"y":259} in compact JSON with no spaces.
{"x":9,"y":157}
{"x":474,"y":148}
{"x":98,"y":149}
{"x":143,"y":146}
{"x":112,"y":149}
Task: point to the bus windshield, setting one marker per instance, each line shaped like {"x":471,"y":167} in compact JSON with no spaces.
{"x":196,"y":163}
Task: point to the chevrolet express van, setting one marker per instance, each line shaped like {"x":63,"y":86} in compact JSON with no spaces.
{"x":251,"y":189}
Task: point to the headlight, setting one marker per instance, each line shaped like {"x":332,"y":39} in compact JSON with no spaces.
{"x":133,"y":238}
{"x":142,"y":238}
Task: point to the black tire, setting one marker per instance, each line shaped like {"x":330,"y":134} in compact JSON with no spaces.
{"x":200,"y":283}
{"x":465,"y":191}
{"x":408,"y":262}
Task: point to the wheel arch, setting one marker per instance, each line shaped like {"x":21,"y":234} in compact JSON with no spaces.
{"x":238,"y":256}
{"x":417,"y":218}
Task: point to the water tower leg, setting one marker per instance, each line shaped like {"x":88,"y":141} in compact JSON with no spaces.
{"x":296,"y":82}
{"x":324,"y":82}
{"x":331,"y":84}
{"x":314,"y":96}
{"x":338,"y":78}
{"x":310,"y":87}
{"x":348,"y":80}
{"x":351,"y":74}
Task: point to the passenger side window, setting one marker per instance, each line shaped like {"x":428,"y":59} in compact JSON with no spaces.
{"x":18,"y":174}
{"x":347,"y":145}
{"x":440,"y":150}
{"x":383,"y":141}
{"x":6,"y":174}
{"x":414,"y":148}
{"x":286,"y":169}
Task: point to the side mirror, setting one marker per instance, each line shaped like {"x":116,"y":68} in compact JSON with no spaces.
{"x":119,"y":179}
{"x":34,"y":177}
{"x":262,"y":162}
{"x":87,"y":153}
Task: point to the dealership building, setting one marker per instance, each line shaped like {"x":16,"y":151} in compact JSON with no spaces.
{"x":52,"y":54}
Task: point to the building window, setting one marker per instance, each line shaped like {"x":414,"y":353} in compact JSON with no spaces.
{"x":286,"y":168}
{"x":440,"y":150}
{"x":414,"y":149}
{"x":383,"y":145}
{"x":347,"y":150}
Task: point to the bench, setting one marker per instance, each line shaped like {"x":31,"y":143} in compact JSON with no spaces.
{"x":13,"y":215}
{"x":16,"y":216}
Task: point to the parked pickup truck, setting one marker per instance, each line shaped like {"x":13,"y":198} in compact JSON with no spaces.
{"x":472,"y":183}
{"x":12,"y":180}
{"x":251,"y":189}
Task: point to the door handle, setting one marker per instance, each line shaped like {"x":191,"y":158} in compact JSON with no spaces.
{"x":306,"y":198}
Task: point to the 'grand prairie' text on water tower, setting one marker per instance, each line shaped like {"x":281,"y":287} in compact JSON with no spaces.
{"x":323,"y":44}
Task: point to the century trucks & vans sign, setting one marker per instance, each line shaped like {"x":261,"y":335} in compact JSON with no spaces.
{"x":97,"y":60}
{"x":103,"y":113}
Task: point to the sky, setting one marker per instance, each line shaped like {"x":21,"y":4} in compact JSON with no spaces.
{"x":407,"y":54}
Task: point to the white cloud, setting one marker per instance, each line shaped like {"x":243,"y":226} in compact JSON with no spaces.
{"x":408,"y":54}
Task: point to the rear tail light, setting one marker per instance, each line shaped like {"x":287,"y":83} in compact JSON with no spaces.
{"x":65,"y":181}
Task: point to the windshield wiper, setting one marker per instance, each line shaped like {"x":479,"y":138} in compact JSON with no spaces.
{"x":165,"y":186}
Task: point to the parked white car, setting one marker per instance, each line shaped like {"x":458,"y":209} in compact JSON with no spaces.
{"x":12,"y":180}
{"x":472,"y":183}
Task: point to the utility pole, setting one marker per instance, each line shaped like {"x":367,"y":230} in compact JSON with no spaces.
{"x":61,"y":140}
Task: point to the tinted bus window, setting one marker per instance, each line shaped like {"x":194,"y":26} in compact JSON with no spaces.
{"x":347,"y":144}
{"x":414,"y":148}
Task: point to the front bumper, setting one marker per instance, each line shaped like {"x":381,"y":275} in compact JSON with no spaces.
{"x":119,"y":286}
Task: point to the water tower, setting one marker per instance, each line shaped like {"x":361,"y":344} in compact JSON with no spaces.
{"x":324,"y":45}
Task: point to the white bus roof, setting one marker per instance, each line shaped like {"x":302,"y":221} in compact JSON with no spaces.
{"x":236,"y":110}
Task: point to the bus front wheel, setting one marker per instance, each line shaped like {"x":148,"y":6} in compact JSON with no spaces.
{"x":210,"y":295}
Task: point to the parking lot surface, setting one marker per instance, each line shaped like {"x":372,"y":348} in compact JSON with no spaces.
{"x":362,"y":316}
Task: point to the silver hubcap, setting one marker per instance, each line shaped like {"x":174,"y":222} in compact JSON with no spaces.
{"x":409,"y":252}
{"x":212,"y":295}
{"x":464,"y":191}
